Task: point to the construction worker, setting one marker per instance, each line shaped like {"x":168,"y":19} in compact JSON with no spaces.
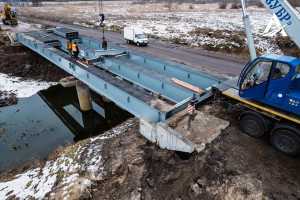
{"x":69,"y":47}
{"x":102,"y":17}
{"x":104,"y":44}
{"x":191,"y":113}
{"x":75,"y":50}
{"x":277,"y":74}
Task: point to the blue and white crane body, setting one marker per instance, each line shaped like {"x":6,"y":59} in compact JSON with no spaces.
{"x":274,"y":80}
{"x":269,"y":86}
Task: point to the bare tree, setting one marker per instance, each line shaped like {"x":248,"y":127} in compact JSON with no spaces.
{"x":36,"y":3}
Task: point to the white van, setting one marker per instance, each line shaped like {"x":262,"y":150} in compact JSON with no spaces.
{"x":133,"y":35}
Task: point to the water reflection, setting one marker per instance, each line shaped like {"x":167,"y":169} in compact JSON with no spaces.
{"x":41,"y":123}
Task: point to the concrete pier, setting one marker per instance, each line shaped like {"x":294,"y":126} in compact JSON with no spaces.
{"x":84,"y":96}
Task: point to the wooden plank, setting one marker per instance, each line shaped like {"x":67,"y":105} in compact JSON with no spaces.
{"x":188,"y":86}
{"x":82,"y":64}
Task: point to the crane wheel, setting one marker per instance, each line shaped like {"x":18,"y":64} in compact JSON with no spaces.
{"x":252,"y":126}
{"x":285,"y":141}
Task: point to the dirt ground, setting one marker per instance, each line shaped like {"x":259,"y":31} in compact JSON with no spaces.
{"x":29,"y":65}
{"x":234,"y":166}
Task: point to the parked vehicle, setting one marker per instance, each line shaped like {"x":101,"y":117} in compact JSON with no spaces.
{"x":133,"y":35}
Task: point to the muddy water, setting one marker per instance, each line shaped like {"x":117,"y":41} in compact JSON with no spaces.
{"x":37,"y":125}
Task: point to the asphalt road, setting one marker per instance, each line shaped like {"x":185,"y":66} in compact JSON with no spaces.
{"x":196,"y":57}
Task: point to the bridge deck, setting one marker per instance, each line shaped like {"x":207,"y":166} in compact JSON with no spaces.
{"x":147,"y":73}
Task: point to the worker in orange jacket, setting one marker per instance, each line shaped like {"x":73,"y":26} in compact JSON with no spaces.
{"x":75,"y":50}
{"x":69,"y":47}
{"x":191,"y":113}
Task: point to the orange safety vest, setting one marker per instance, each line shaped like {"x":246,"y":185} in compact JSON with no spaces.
{"x":69,"y":46}
{"x":74,"y":49}
{"x":190,"y":109}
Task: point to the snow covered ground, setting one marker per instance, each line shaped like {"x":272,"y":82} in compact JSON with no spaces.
{"x":170,"y":21}
{"x":22,"y":88}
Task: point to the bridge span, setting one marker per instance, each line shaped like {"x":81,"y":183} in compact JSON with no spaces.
{"x":139,"y":83}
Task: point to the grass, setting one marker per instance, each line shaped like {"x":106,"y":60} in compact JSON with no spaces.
{"x":29,"y":183}
{"x":287,"y":46}
{"x":234,"y":44}
{"x":59,"y":176}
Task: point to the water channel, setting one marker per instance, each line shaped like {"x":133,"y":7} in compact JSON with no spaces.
{"x":37,"y":125}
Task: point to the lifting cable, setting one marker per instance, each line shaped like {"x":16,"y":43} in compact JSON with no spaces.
{"x":101,"y":15}
{"x":100,"y":6}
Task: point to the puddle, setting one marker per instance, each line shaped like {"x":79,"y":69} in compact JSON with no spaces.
{"x":37,"y":125}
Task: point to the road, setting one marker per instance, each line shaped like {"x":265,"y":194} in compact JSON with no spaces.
{"x":196,"y":57}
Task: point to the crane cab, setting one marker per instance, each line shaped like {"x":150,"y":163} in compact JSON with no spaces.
{"x":272,"y":79}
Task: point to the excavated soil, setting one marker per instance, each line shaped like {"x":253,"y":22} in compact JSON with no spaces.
{"x":22,"y":62}
{"x":234,"y":166}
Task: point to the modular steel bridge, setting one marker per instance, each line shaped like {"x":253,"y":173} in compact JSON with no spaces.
{"x":141,"y":84}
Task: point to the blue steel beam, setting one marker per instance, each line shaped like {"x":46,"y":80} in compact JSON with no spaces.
{"x":188,"y":74}
{"x":184,"y":73}
{"x":148,"y":79}
{"x":137,"y":102}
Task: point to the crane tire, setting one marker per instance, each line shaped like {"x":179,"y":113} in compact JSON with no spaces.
{"x":286,"y":141}
{"x":252,"y":126}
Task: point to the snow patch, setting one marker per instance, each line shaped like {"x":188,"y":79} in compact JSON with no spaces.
{"x":22,"y":88}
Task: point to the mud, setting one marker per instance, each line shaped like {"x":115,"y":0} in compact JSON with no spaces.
{"x":7,"y":98}
{"x":22,"y":62}
{"x":234,"y":166}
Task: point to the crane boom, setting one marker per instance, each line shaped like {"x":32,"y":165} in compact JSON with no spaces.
{"x":250,"y":40}
{"x":287,"y":17}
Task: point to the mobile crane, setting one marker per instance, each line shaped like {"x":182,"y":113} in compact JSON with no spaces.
{"x":8,"y":16}
{"x":269,"y":87}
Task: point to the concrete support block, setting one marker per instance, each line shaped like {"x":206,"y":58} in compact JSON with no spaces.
{"x":84,"y":96}
{"x":165,"y":136}
{"x":69,"y":81}
{"x":170,"y":139}
{"x":148,"y":129}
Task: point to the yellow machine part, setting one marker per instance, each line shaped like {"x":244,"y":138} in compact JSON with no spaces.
{"x":7,"y":13}
{"x":7,"y":16}
{"x":3,"y":15}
